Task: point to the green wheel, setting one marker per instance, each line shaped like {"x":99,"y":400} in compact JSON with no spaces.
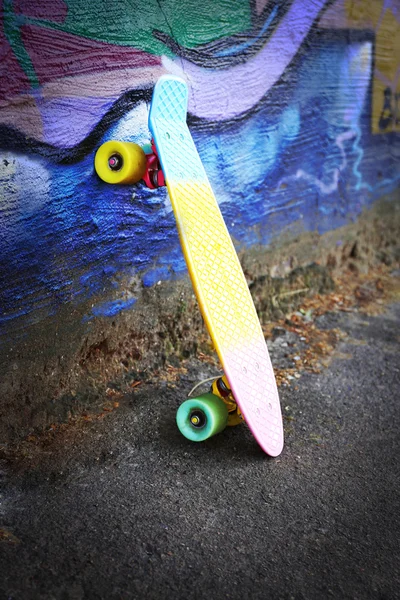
{"x":200,"y":418}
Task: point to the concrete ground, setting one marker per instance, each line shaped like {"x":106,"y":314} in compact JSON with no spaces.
{"x":124,"y":507}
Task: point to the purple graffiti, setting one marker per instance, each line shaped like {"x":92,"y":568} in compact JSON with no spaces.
{"x":221,"y":95}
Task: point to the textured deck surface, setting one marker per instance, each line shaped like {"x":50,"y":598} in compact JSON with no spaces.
{"x":215,"y":270}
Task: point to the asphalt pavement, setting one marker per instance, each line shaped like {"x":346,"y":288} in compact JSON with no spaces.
{"x":124,"y":507}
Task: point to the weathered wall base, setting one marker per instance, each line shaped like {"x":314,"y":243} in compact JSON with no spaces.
{"x":66,"y":368}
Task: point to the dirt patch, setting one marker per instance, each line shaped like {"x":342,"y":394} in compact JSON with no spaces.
{"x":297,"y":343}
{"x":65,"y":372}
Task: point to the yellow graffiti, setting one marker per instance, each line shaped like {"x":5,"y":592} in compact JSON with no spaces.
{"x":386,"y":79}
{"x":363,"y":13}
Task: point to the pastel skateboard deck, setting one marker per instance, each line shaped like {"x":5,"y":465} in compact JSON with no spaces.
{"x":217,"y":277}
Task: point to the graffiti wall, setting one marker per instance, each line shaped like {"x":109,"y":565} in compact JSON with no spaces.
{"x":294,"y":106}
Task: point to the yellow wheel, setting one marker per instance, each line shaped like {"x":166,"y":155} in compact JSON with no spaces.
{"x":120,"y":162}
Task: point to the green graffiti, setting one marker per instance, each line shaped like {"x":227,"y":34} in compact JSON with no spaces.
{"x":131,"y":23}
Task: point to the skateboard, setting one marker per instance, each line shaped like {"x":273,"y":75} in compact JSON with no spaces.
{"x":247,"y":391}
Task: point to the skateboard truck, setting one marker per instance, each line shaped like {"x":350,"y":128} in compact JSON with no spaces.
{"x":220,"y":387}
{"x":153,"y":177}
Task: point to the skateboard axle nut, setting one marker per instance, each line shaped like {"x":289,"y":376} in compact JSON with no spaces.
{"x":115,"y":162}
{"x":198,"y":418}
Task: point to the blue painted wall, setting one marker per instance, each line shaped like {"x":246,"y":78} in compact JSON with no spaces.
{"x":292,"y":114}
